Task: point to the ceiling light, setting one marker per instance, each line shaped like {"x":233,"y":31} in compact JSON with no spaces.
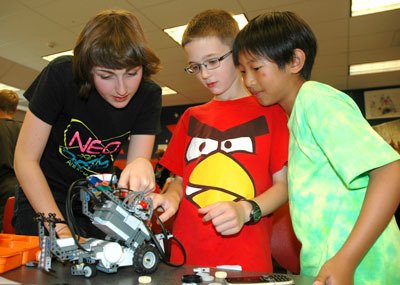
{"x":363,"y":7}
{"x":50,"y":57}
{"x":176,"y":33}
{"x":241,"y":20}
{"x":167,"y":91}
{"x":5,"y":86}
{"x":375,"y":67}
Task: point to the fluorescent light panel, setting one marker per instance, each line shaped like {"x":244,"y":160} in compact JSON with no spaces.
{"x":5,"y":86}
{"x":364,"y":7}
{"x":50,"y":57}
{"x":374,"y":67}
{"x":241,"y":20}
{"x":176,"y":33}
{"x":167,"y":91}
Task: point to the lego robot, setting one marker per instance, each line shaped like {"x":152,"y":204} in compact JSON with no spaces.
{"x":121,"y":215}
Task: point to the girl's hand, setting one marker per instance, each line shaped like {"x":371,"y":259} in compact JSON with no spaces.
{"x":63,"y":231}
{"x":138,"y":176}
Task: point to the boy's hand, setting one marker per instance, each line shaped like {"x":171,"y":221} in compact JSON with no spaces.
{"x":335,"y":272}
{"x":228,"y":218}
{"x":167,"y":203}
{"x":138,"y":176}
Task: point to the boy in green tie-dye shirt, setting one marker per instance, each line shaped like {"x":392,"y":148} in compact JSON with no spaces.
{"x":344,"y":179}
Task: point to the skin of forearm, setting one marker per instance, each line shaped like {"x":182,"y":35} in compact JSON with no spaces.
{"x":140,"y":146}
{"x":36,"y":189}
{"x":175,"y":189}
{"x":272,"y":199}
{"x":380,"y":203}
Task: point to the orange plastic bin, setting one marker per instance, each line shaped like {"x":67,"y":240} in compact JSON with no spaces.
{"x":16,"y":250}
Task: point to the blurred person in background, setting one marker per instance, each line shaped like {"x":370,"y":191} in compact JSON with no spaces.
{"x":9,"y":130}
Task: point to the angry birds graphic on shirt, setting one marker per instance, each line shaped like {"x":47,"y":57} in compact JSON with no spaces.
{"x":218,"y":174}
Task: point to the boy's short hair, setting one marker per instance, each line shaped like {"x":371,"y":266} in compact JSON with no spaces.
{"x":8,"y":101}
{"x":212,"y":22}
{"x":112,"y":39}
{"x":274,"y":36}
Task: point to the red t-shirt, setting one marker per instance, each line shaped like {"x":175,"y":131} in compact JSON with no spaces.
{"x":225,"y":151}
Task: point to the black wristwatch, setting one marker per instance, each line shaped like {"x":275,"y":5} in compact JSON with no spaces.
{"x":255,"y":214}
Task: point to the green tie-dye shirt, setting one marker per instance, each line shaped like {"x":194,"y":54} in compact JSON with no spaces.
{"x":332,"y":148}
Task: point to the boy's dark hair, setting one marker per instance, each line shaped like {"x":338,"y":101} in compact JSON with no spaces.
{"x":8,"y":101}
{"x":112,"y":39}
{"x":274,"y":36}
{"x":212,"y":22}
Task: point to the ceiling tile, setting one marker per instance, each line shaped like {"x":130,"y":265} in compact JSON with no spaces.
{"x":28,"y":26}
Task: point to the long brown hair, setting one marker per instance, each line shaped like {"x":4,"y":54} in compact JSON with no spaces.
{"x":112,"y":39}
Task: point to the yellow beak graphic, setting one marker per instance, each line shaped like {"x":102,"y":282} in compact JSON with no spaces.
{"x":219,"y":178}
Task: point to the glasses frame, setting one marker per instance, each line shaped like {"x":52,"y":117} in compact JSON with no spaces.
{"x":189,"y":69}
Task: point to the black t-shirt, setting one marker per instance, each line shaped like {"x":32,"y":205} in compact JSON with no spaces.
{"x":86,"y":135}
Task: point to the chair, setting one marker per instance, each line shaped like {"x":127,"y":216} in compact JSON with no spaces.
{"x":285,"y":248}
{"x":8,"y":228}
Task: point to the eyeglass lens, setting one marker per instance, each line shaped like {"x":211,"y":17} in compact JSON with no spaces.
{"x":210,"y":64}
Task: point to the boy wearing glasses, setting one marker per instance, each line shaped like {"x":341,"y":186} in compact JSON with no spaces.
{"x":226,"y":154}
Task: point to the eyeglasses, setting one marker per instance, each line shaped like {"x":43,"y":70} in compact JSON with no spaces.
{"x":210,"y":64}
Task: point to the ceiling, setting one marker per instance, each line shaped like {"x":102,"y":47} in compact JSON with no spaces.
{"x":30,"y":29}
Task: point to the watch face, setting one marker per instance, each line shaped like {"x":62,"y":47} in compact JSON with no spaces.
{"x":255,"y":214}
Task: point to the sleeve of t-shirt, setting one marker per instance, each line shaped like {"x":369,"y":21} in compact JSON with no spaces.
{"x":46,"y":93}
{"x":148,"y":120}
{"x":174,"y":156}
{"x":279,"y":139}
{"x":349,"y":142}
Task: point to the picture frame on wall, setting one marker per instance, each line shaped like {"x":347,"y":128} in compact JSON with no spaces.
{"x":390,"y":132}
{"x":382,"y":103}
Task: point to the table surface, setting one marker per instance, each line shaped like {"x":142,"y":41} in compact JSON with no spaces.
{"x":61,"y":275}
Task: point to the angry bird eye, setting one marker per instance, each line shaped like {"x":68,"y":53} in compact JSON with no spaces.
{"x":227,"y":144}
{"x":244,"y":144}
{"x":200,"y":146}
